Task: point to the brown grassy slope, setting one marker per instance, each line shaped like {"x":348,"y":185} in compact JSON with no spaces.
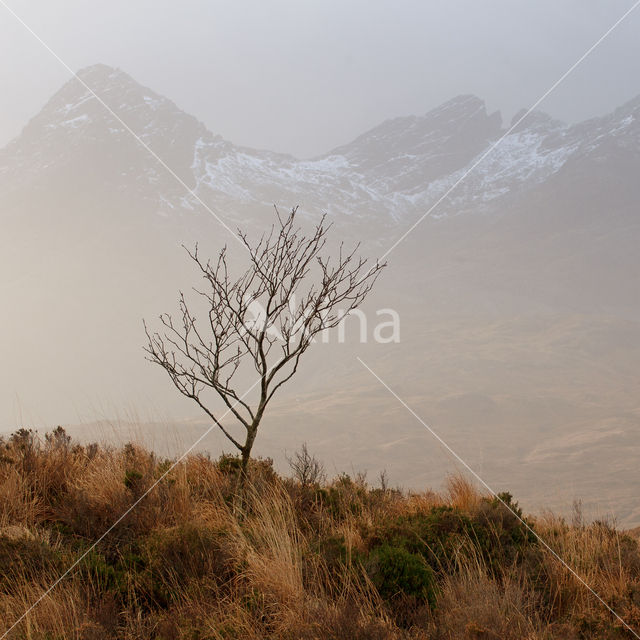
{"x":338,"y":560}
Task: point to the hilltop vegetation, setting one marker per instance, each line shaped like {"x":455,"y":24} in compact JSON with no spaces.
{"x":305,"y":558}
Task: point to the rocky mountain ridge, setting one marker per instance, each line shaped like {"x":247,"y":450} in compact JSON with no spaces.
{"x":390,"y":173}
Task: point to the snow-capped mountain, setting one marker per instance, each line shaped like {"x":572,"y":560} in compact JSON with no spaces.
{"x":390,"y":173}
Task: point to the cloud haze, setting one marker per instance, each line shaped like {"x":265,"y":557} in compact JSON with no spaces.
{"x":305,"y":77}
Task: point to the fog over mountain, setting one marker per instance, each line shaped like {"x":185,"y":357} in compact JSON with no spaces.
{"x":518,"y":296}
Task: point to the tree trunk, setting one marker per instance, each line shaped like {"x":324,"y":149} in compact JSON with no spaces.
{"x":243,"y":475}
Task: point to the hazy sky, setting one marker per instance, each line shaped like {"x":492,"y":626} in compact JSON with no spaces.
{"x":303,"y":77}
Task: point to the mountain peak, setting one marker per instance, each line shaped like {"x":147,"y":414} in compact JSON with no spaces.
{"x":465,"y":107}
{"x":92,"y":116}
{"x":465,"y":102}
{"x":103,"y":79}
{"x":109,"y":84}
{"x":92,"y":97}
{"x":100,"y":71}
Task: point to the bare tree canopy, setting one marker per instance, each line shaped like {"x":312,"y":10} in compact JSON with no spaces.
{"x":307,"y":469}
{"x":299,"y":292}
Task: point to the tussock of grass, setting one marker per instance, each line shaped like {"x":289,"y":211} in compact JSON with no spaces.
{"x":305,"y":559}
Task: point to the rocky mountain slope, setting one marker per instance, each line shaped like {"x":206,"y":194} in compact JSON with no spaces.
{"x":393,"y":171}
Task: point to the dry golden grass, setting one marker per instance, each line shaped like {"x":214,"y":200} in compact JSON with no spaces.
{"x":339,"y":561}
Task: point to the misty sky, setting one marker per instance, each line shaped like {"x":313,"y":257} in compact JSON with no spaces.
{"x":303,"y":77}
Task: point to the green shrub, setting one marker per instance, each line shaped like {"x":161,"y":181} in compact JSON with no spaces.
{"x":109,"y":577}
{"x":443,"y":533}
{"x":26,"y":559}
{"x":345,"y":497}
{"x":229,"y":464}
{"x":189,"y":552}
{"x":397,"y":572}
{"x":132,"y":480}
{"x":437,"y":536}
{"x":506,"y":537}
{"x":333,"y":550}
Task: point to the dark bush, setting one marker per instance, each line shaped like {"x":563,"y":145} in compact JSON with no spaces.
{"x":26,"y":559}
{"x":441,"y":534}
{"x":344,"y":497}
{"x":333,"y":551}
{"x":396,"y":572}
{"x":437,"y":536}
{"x":109,"y":576}
{"x":229,"y":464}
{"x":178,"y":555}
{"x":506,"y":537}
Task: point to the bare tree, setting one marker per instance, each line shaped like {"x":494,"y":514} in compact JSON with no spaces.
{"x":307,"y":469}
{"x":285,"y":267}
